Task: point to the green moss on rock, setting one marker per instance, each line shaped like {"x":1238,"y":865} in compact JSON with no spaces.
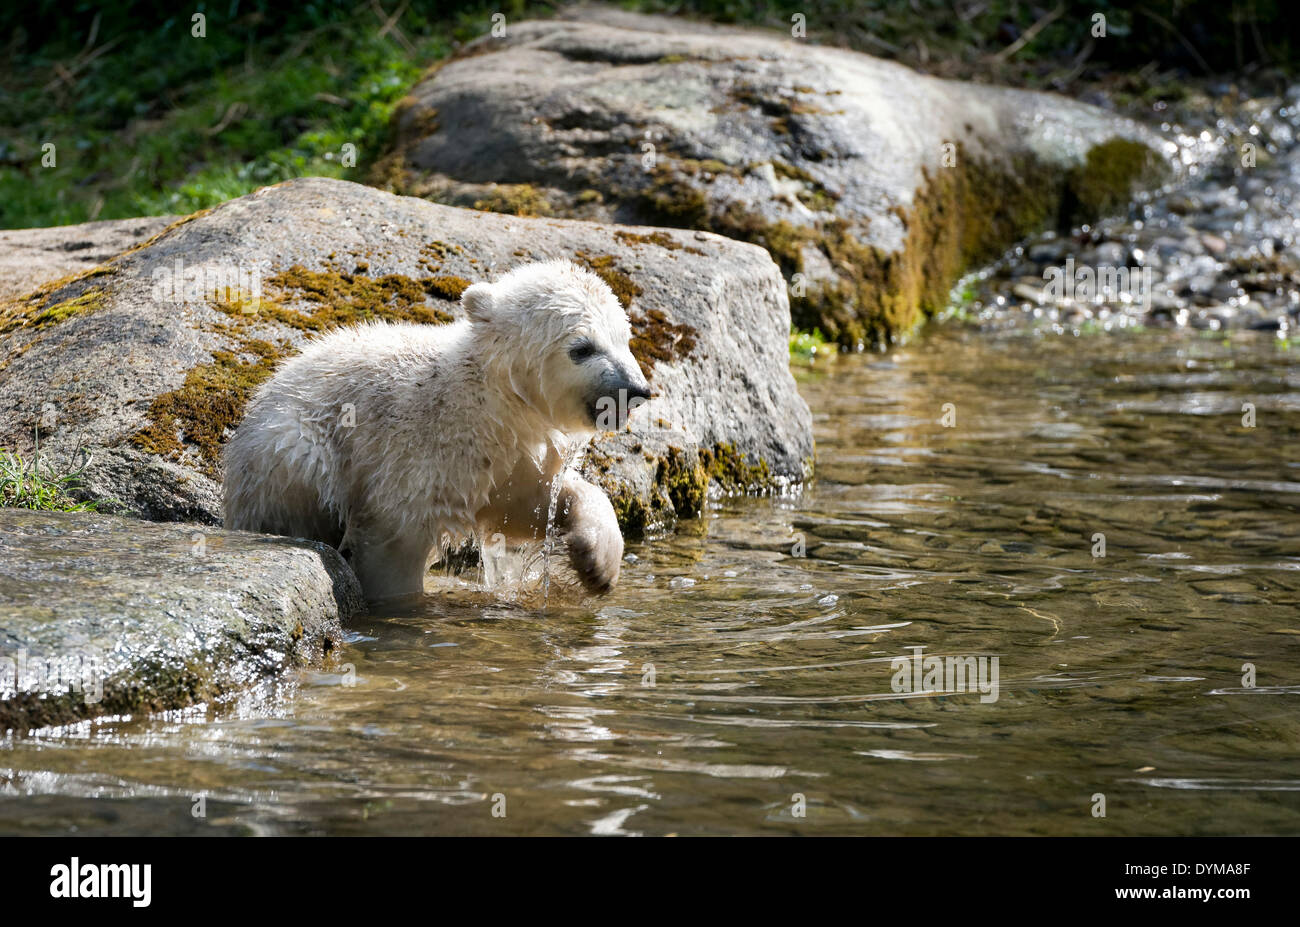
{"x":605,"y":266}
{"x":335,"y":298}
{"x":90,"y":301}
{"x":672,"y":200}
{"x":655,"y":339}
{"x":208,"y":404}
{"x":35,"y":309}
{"x":1105,"y":182}
{"x":516,"y":199}
{"x":879,"y":296}
{"x":733,"y":471}
{"x":685,"y":480}
{"x":961,"y":216}
{"x":681,"y":484}
{"x":661,"y":239}
{"x":814,"y":195}
{"x":679,"y":490}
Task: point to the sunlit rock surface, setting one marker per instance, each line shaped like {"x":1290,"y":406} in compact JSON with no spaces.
{"x":112,"y":616}
{"x":31,"y":257}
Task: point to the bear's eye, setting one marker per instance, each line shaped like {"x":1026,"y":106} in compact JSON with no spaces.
{"x":581,"y":351}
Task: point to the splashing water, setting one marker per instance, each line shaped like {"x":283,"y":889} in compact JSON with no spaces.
{"x":508,"y":573}
{"x":501,"y":567}
{"x":517,"y":573}
{"x":569,"y":456}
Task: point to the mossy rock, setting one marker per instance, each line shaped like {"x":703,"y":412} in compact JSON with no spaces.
{"x":516,"y":200}
{"x":1109,"y":177}
{"x":879,"y":186}
{"x":683,"y":479}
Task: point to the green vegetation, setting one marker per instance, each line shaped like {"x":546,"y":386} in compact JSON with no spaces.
{"x":878,"y":297}
{"x":39,"y":484}
{"x":89,"y":301}
{"x":681,"y":486}
{"x":733,"y":472}
{"x":34,"y":311}
{"x":211,"y":400}
{"x":519,"y":199}
{"x":605,"y":267}
{"x":1104,"y":183}
{"x":806,"y":347}
{"x":659,"y":239}
{"x":147,"y":118}
{"x":960,"y":303}
{"x":654,"y":337}
{"x":679,"y":491}
{"x":1037,"y":44}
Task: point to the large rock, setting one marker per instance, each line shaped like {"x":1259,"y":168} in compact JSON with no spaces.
{"x":103,"y":615}
{"x":151,"y":378}
{"x":878,"y":185}
{"x":32,"y":257}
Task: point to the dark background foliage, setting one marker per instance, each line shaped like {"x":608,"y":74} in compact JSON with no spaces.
{"x":147,"y":119}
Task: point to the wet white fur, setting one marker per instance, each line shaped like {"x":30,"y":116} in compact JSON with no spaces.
{"x":393,"y":441}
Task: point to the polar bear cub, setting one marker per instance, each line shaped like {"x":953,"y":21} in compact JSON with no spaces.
{"x":396,"y":442}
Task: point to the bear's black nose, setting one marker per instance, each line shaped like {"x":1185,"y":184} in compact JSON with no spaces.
{"x":637,"y":392}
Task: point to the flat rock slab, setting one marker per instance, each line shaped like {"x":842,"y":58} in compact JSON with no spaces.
{"x":31,"y":257}
{"x":149,"y":359}
{"x":873,"y":186}
{"x":111,"y":616}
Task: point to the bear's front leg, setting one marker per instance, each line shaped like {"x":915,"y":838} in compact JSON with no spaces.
{"x":589,"y":527}
{"x":583,"y":516}
{"x":389,"y":569}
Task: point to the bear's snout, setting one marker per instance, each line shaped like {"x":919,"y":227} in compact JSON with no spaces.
{"x":620,"y":391}
{"x":620,"y":381}
{"x":627,"y":384}
{"x":633,"y":380}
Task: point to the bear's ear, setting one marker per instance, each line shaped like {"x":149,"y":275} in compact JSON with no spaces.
{"x":477,"y":301}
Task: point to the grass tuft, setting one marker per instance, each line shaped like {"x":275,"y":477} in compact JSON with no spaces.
{"x":39,"y":484}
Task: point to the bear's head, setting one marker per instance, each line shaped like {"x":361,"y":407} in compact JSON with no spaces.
{"x":557,"y":336}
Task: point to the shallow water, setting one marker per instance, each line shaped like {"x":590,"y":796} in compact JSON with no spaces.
{"x":1119,"y":675}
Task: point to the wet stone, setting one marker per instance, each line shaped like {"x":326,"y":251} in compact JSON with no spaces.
{"x":111,"y":616}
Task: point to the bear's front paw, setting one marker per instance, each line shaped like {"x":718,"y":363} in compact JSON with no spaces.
{"x":596,"y":562}
{"x":590,"y":529}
